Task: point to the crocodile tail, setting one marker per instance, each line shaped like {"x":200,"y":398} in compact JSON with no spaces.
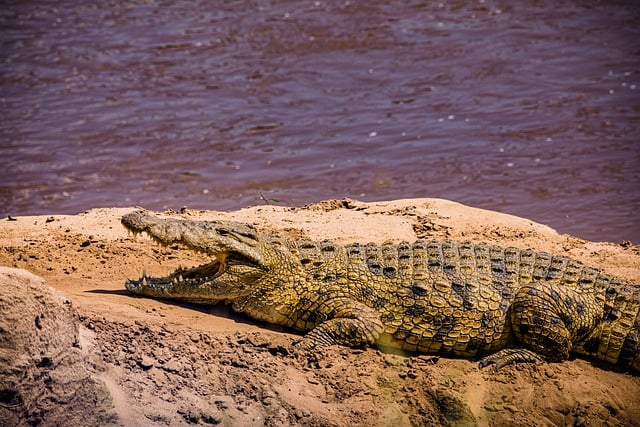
{"x":616,"y":339}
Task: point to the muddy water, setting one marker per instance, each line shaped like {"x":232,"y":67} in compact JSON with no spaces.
{"x":528,"y":107}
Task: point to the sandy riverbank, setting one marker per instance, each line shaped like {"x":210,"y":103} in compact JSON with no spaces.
{"x":151,"y":362}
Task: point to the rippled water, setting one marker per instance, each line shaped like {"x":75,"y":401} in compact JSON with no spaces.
{"x":526,"y":107}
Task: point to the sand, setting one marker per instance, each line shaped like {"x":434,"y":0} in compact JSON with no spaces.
{"x":75,"y":344}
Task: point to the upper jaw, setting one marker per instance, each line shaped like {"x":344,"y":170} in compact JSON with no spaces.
{"x":211,"y":237}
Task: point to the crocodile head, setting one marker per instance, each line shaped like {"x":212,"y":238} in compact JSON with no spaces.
{"x":237,"y":252}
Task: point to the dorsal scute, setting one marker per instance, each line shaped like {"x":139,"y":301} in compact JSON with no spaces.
{"x":309,"y":252}
{"x":356,"y":252}
{"x":472,"y":264}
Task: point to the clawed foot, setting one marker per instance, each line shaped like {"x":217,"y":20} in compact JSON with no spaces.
{"x":304,"y":344}
{"x":509,"y":356}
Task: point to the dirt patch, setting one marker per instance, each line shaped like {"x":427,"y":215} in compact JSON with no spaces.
{"x":163,"y":363}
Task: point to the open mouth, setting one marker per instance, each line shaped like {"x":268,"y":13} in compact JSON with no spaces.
{"x":193,"y":276}
{"x":202,"y":272}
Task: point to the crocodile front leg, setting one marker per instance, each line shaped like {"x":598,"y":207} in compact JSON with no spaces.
{"x":348,"y":322}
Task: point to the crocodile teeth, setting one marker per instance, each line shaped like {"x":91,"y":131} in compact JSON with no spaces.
{"x":180,"y":278}
{"x":144,"y":281}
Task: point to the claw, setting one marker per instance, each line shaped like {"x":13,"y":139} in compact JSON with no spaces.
{"x":510,"y":356}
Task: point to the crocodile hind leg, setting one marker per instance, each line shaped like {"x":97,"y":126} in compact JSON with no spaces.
{"x":547,"y":319}
{"x":348,"y":322}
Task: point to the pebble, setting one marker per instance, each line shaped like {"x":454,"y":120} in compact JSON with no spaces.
{"x":146,"y":362}
{"x":172,"y":366}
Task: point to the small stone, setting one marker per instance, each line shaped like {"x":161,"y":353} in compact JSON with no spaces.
{"x":172,"y":366}
{"x":493,"y":407}
{"x":511,"y":408}
{"x":211,"y":417}
{"x":146,"y":362}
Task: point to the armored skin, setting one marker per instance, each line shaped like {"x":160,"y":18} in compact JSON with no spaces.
{"x":504,"y":305}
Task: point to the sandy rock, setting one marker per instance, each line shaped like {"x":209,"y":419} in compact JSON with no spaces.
{"x":45,"y":374}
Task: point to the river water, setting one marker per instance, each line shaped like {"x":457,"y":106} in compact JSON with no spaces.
{"x":525,"y":107}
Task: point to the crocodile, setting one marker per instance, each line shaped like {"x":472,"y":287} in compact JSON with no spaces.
{"x":498,"y":305}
